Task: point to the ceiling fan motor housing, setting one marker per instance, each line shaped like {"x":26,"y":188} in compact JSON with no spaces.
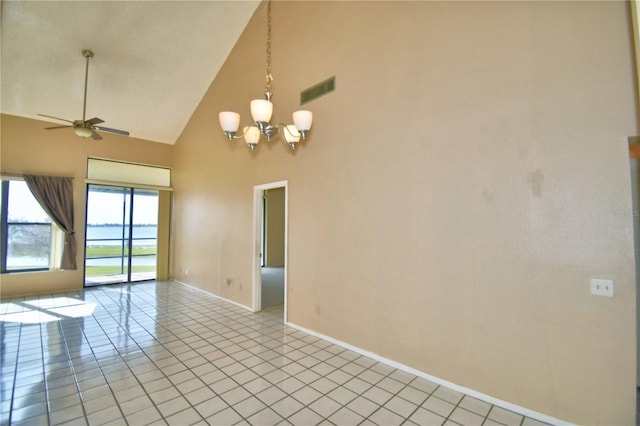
{"x":82,"y":128}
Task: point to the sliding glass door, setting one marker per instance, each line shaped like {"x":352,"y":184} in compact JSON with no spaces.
{"x":121,"y":234}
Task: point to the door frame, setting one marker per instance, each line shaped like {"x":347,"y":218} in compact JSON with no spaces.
{"x":129,"y":193}
{"x":258,"y":211}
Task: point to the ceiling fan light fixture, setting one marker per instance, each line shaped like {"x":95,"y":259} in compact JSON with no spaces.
{"x":83,"y":132}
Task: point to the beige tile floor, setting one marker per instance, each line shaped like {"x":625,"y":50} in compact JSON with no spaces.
{"x":165,"y":353}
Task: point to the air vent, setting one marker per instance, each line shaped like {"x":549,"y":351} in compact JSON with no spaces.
{"x":318,"y":90}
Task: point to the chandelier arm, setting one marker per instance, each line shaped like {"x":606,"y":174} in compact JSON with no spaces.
{"x":245,"y":130}
{"x":280,"y":128}
{"x":284,"y":128}
{"x":234,"y":135}
{"x":302,"y":133}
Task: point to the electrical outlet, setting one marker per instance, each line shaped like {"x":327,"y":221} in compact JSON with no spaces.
{"x":317,"y":309}
{"x":186,"y":271}
{"x":600,"y":287}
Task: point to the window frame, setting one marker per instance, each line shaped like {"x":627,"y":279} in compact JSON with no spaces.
{"x":56,"y":235}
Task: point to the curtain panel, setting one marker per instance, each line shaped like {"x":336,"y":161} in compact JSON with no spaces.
{"x":55,"y":195}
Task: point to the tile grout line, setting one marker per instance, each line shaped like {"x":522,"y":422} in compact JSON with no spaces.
{"x":73,"y":371}
{"x":15,"y":375}
{"x":44,"y":375}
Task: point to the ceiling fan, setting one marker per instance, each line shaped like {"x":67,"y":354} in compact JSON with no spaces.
{"x":85,"y":128}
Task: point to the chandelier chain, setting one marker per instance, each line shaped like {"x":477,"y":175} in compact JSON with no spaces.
{"x":269,"y":76}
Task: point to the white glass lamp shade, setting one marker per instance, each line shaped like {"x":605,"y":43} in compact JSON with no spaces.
{"x":83,"y":132}
{"x":291,"y":134}
{"x":261,"y":110}
{"x":251,"y":134}
{"x":303,"y":119}
{"x":229,"y":121}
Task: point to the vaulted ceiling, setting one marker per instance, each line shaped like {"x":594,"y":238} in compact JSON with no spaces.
{"x":153,"y":60}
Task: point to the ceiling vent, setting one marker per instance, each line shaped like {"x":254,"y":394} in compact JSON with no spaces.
{"x":318,"y":90}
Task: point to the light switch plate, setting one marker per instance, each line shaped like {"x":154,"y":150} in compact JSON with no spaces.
{"x":600,"y":287}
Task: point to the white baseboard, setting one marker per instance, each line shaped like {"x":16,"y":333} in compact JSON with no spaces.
{"x":467,"y":391}
{"x":240,"y":305}
{"x":479,"y":395}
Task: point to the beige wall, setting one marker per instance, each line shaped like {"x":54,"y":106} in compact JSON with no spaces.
{"x":635,"y":179}
{"x":460,"y":187}
{"x":635,"y":19}
{"x":26,"y":148}
{"x":274,"y":219}
{"x":164,"y":236}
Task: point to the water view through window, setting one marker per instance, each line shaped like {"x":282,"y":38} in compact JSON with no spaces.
{"x":121,"y":235}
{"x":26,"y":230}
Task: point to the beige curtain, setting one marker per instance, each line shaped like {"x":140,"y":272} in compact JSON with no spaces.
{"x":55,"y":195}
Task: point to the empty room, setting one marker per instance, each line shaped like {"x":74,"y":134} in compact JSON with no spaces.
{"x":319,"y":212}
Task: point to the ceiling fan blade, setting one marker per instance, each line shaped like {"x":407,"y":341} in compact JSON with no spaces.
{"x":94,"y":120}
{"x":116,"y":131}
{"x":57,"y":127}
{"x":96,"y":136}
{"x":55,"y":118}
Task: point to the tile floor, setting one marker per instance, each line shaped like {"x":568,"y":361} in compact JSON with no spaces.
{"x":165,"y":353}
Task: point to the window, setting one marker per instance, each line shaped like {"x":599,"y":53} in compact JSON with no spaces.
{"x":29,"y":240}
{"x":121,"y":238}
{"x":127,"y":173}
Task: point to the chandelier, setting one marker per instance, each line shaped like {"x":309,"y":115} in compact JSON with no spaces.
{"x":261,"y":111}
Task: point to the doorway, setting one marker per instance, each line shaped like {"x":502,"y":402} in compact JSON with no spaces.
{"x":270,"y":241}
{"x":121,"y":238}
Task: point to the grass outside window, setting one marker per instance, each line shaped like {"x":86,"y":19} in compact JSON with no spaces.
{"x":93,"y":252}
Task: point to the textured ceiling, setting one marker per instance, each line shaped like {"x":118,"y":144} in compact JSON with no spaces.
{"x":154,"y":60}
